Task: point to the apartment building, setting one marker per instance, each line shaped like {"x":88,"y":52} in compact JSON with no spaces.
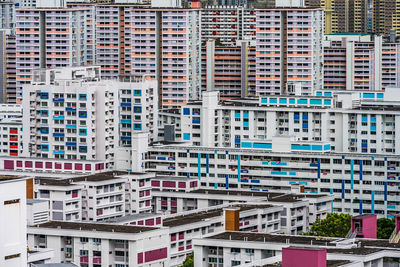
{"x":7,"y":66}
{"x":13,"y":221}
{"x":50,"y":38}
{"x":7,"y":13}
{"x":298,"y":210}
{"x":360,"y":62}
{"x":256,"y":249}
{"x":92,"y":244}
{"x":348,"y":121}
{"x":289,"y":50}
{"x":228,"y":24}
{"x":72,"y":114}
{"x":230,"y":70}
{"x":386,"y":17}
{"x":38,"y":211}
{"x":186,"y":226}
{"x":343,"y":15}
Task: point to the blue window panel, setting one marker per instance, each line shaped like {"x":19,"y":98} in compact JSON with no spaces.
{"x":392,"y":207}
{"x":282,"y":100}
{"x":300,"y":147}
{"x":58,"y":117}
{"x":44,"y":95}
{"x":255,"y":181}
{"x":186,"y":136}
{"x":58,"y":152}
{"x":137,"y":126}
{"x":327,"y":147}
{"x":82,"y":97}
{"x":70,"y":144}
{"x":237,"y":140}
{"x":315,"y":101}
{"x":196,"y":120}
{"x":82,"y":132}
{"x":316,"y":147}
{"x":292,"y":101}
{"x":58,"y":100}
{"x":265,"y":163}
{"x":302,"y":101}
{"x":319,"y":94}
{"x":245,"y":114}
{"x":246,"y":144}
{"x":292,"y":173}
{"x":44,"y":147}
{"x":390,"y":216}
{"x":137,"y":109}
{"x":58,"y":134}
{"x":186,"y":111}
{"x":262,"y":146}
{"x":126,"y":121}
{"x":305,"y":125}
{"x":273,"y":101}
{"x":244,"y":180}
{"x":70,"y":109}
{"x":237,"y":115}
{"x":82,"y":114}
{"x":305,"y":116}
{"x":264,"y":100}
{"x":277,"y":163}
{"x":245,"y":124}
{"x":195,"y":112}
{"x":137,"y":92}
{"x":368,"y":95}
{"x":364,"y":118}
{"x":44,"y":130}
{"x":327,"y":94}
{"x":126,"y":138}
{"x":373,"y":128}
{"x":161,"y":158}
{"x":83,"y":149}
{"x":364,"y":145}
{"x":327,"y":102}
{"x":373,"y":119}
{"x":125,"y":104}
{"x":314,"y":164}
{"x":44,"y":113}
{"x":296,"y":116}
{"x":70,"y":126}
{"x":379,"y":95}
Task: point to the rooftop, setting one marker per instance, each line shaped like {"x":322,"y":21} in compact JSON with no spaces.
{"x":132,"y":217}
{"x":95,"y":227}
{"x":7,"y":178}
{"x":200,"y":216}
{"x":98,"y":177}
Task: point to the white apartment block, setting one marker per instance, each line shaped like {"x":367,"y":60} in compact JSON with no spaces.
{"x":228,"y":24}
{"x":289,"y":50}
{"x":360,"y":182}
{"x":10,"y":130}
{"x":13,"y":213}
{"x":95,"y":245}
{"x":50,"y":38}
{"x":73,"y":115}
{"x":360,"y":62}
{"x":38,"y":211}
{"x":346,"y":121}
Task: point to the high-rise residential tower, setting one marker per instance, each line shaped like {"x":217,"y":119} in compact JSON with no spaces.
{"x":386,"y":16}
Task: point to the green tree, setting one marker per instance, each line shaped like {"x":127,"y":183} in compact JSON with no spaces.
{"x":334,"y":225}
{"x":384,"y":228}
{"x":189,"y":262}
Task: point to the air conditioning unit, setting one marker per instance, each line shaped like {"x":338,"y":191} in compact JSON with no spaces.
{"x":68,"y":255}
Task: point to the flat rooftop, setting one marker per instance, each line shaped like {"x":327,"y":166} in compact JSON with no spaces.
{"x":6,"y":178}
{"x":329,"y":263}
{"x":271,"y":196}
{"x":133,"y":217}
{"x":368,"y":246}
{"x":94,"y":227}
{"x":200,"y":216}
{"x":98,"y":177}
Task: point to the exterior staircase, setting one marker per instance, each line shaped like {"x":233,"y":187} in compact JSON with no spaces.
{"x":395,"y":237}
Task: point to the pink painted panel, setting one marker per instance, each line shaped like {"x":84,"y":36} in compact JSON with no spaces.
{"x":133,"y":223}
{"x":156,"y":254}
{"x":101,"y":166}
{"x":168,"y":184}
{"x":97,"y":260}
{"x":28,"y":164}
{"x":189,"y":247}
{"x":309,"y":257}
{"x":78,"y":167}
{"x":19,"y":163}
{"x":368,"y":226}
{"x":57,"y":166}
{"x":84,"y":259}
{"x":88,"y":167}
{"x":68,"y":166}
{"x":181,"y":248}
{"x":149,"y":222}
{"x":148,"y":193}
{"x":39,"y":164}
{"x":140,"y":223}
{"x":9,"y":164}
{"x":174,"y":203}
{"x":173,"y":237}
{"x":148,"y":203}
{"x":140,"y":258}
{"x":155,"y":183}
{"x":182,"y":185}
{"x":49,"y":165}
{"x":158,"y":220}
{"x":181,"y":236}
{"x":164,"y":203}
